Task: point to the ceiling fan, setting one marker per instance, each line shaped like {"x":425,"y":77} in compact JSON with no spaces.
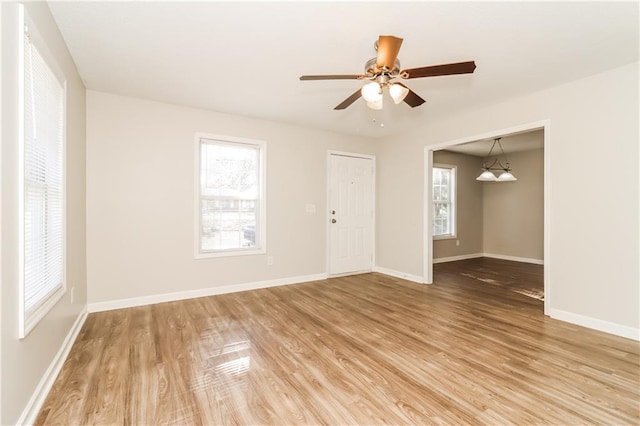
{"x":385,"y":67}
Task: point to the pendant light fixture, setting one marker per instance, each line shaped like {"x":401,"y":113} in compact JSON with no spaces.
{"x":488,"y":176}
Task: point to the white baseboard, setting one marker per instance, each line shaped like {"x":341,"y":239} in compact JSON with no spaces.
{"x":347,"y":274}
{"x":415,"y":278}
{"x":191,"y":294}
{"x":492,"y":255}
{"x":596,"y":324}
{"x":454,"y":258}
{"x":514,"y":258}
{"x":30,"y":412}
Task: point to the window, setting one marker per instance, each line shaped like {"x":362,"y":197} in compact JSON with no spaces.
{"x":444,"y":198}
{"x":42,"y":187}
{"x":231,"y":197}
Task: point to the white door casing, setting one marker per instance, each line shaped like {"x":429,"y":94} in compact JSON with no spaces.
{"x":351,"y":214}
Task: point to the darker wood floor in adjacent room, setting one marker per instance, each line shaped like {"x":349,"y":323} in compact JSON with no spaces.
{"x":365,"y":349}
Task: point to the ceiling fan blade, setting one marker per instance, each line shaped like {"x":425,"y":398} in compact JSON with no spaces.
{"x":412,"y":99}
{"x":388,"y":48}
{"x":351,"y":99}
{"x":436,"y":70}
{"x":333,"y":77}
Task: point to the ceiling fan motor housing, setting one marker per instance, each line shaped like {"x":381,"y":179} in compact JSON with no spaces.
{"x":372,"y":71}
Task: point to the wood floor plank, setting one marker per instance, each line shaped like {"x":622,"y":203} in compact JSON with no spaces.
{"x":67,"y":397}
{"x":365,"y":349}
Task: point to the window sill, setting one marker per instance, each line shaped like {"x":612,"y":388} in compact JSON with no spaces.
{"x":228,"y":253}
{"x":30,"y":322}
{"x":444,"y":237}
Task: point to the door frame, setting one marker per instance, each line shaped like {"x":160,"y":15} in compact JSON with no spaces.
{"x":328,"y":212}
{"x":428,"y":208}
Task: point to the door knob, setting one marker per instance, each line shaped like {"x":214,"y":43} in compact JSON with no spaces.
{"x":333,"y":221}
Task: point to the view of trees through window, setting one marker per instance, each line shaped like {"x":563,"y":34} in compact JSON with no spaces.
{"x":229,"y":191}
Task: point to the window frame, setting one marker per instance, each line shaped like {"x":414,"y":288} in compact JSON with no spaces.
{"x":261,"y":225}
{"x":453,"y":194}
{"x":28,"y":320}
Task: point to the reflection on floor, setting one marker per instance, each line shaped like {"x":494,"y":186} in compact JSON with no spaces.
{"x":365,"y":349}
{"x":522,"y":278}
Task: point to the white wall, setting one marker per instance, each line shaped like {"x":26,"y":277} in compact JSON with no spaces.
{"x":24,"y":362}
{"x":594,"y":251}
{"x":140,"y":203}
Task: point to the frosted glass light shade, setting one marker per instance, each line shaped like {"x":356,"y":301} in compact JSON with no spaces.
{"x":377,"y":105}
{"x":507,"y":177}
{"x":371,"y":92}
{"x":487,"y":176}
{"x":398,"y":92}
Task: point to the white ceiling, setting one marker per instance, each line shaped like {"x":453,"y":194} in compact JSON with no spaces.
{"x":245,"y":58}
{"x":524,"y":141}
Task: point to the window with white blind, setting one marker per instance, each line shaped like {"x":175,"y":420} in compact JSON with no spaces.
{"x":42,"y":187}
{"x":231,"y":203}
{"x":444,"y":201}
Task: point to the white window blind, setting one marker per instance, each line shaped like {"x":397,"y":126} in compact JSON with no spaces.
{"x":42,"y":189}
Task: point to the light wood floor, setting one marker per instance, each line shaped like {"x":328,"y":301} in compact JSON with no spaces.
{"x":366,"y":349}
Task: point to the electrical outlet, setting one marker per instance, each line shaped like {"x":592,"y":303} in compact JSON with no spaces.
{"x":72,"y":294}
{"x":457,"y":242}
{"x":269,"y":260}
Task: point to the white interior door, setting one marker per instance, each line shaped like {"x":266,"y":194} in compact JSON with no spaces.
{"x":351,"y":189}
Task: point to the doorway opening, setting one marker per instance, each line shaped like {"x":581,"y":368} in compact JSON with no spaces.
{"x":540,"y":128}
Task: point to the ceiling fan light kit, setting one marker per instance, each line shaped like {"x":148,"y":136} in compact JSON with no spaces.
{"x":371,"y":92}
{"x":398,"y":92}
{"x":488,"y":176}
{"x":377,"y":105}
{"x":381,"y":70}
